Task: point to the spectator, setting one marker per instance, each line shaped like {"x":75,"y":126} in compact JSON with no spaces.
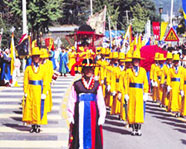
{"x":63,"y":59}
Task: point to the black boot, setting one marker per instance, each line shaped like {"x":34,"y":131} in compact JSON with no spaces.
{"x":37,"y":129}
{"x":138,"y":130}
{"x":133,"y":133}
{"x":33,"y":129}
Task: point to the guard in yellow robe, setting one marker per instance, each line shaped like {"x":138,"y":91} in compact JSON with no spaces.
{"x":183,"y":101}
{"x":175,"y":87}
{"x":49,"y":72}
{"x":153,"y":84}
{"x":72,"y":58}
{"x":114,"y":83}
{"x":127,"y":63}
{"x":158,"y":71}
{"x":120,"y":88}
{"x":137,"y":93}
{"x":103,"y":65}
{"x":35,"y":89}
{"x":166,"y":67}
{"x":108,"y":80}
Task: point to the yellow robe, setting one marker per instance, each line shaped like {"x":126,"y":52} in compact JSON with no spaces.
{"x":48,"y":66}
{"x":32,"y":109}
{"x":154,"y":89}
{"x":157,"y":78}
{"x":165,"y":100}
{"x":175,"y":98}
{"x":108,"y":82}
{"x":115,"y":88}
{"x":183,"y":109}
{"x":135,"y":103}
{"x":97,"y":70}
{"x":72,"y":59}
{"x":121,"y":88}
{"x":103,"y":75}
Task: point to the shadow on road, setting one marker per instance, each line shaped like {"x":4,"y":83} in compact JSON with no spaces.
{"x":166,"y":118}
{"x":116,"y":123}
{"x":117,"y":130}
{"x":19,"y":119}
{"x":182,"y":125}
{"x":181,"y":130}
{"x":113,"y":124}
{"x":18,"y":127}
{"x":18,"y":112}
{"x":183,"y":141}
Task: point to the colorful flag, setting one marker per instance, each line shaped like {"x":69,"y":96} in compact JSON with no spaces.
{"x":49,"y":43}
{"x":127,"y":40}
{"x":163,"y":29}
{"x":139,"y":44}
{"x":156,"y":30}
{"x":148,"y":29}
{"x":23,"y":47}
{"x":184,"y":9}
{"x":12,"y":54}
{"x":97,"y":21}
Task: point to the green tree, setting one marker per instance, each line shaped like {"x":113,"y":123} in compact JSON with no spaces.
{"x":40,"y":13}
{"x":112,"y":10}
{"x":7,"y":21}
{"x":149,"y":12}
{"x":75,"y":12}
{"x":140,"y":17}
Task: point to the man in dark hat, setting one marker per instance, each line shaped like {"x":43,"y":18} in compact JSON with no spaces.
{"x":86,"y":110}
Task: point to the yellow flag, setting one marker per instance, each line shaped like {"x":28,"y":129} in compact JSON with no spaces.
{"x":34,"y":43}
{"x":12,"y":54}
{"x":163,"y":29}
{"x":139,"y":45}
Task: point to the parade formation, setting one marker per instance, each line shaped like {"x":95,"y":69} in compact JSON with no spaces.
{"x":116,"y":77}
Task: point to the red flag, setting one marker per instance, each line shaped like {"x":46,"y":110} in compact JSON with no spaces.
{"x":156,"y":30}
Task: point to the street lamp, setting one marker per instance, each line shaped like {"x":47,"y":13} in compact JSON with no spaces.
{"x":160,"y":11}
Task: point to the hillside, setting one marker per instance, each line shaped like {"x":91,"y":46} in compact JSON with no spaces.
{"x":167,"y":5}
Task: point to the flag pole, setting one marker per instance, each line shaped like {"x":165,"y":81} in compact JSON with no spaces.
{"x":91,"y":10}
{"x":171,"y":13}
{"x":24,"y":16}
{"x":1,"y":34}
{"x":110,"y":32}
{"x":25,"y":31}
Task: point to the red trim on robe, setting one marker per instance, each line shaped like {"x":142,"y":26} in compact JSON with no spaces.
{"x":93,"y":123}
{"x":101,"y":132}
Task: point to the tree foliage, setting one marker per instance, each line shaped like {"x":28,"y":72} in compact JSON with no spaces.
{"x":116,"y":9}
{"x":7,"y":21}
{"x":40,"y":13}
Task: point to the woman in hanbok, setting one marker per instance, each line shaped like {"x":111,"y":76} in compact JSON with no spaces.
{"x":86,"y":110}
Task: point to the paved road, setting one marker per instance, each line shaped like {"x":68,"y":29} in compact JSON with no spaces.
{"x":160,"y":131}
{"x":12,"y":132}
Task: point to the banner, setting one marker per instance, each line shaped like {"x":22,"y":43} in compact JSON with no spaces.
{"x":147,"y":29}
{"x":12,"y":54}
{"x":97,"y":21}
{"x":127,"y":40}
{"x":163,"y":29}
{"x":184,"y":9}
{"x":156,"y":30}
{"x":23,"y":47}
{"x":49,"y":43}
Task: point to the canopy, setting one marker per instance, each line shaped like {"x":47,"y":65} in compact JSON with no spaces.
{"x":148,"y":52}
